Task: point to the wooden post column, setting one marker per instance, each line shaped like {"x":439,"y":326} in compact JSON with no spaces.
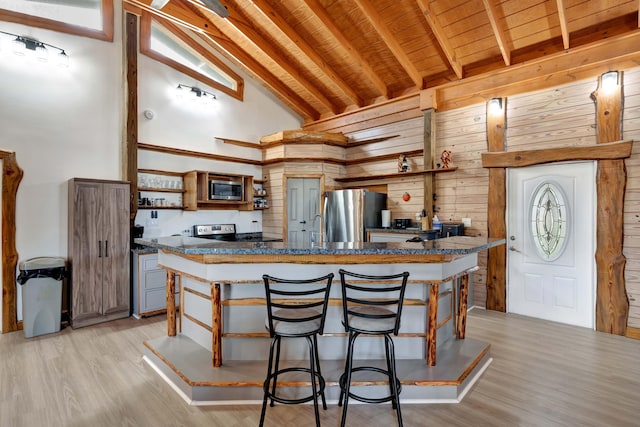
{"x":497,"y":207}
{"x":612,"y":303}
{"x":216,"y":326}
{"x":11,"y":177}
{"x":171,"y":303}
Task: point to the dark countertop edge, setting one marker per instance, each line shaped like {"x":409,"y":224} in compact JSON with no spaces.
{"x":401,"y":230}
{"x":448,"y":246}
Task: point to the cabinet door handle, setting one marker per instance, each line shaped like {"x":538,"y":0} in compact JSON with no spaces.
{"x":106,"y":249}
{"x":99,"y":248}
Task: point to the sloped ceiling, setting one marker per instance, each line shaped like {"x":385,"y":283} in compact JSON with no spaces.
{"x":327,"y":57}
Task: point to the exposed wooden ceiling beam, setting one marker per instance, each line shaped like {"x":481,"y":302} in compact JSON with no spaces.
{"x":391,"y":42}
{"x":190,"y":19}
{"x":492,"y":12}
{"x":443,"y":40}
{"x":270,"y":14}
{"x":354,"y":56}
{"x":564,"y":28}
{"x":247,"y":31}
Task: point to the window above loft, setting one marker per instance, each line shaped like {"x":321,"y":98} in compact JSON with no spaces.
{"x":89,"y":18}
{"x":171,"y":45}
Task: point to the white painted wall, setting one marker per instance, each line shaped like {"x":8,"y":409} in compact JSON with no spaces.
{"x":65,"y":123}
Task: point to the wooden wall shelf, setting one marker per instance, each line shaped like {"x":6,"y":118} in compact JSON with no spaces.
{"x":395,"y":175}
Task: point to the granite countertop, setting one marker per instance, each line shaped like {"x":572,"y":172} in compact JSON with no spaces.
{"x":457,"y":245}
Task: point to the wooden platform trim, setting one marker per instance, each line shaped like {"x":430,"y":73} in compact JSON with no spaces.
{"x":394,"y":175}
{"x":455,"y":366}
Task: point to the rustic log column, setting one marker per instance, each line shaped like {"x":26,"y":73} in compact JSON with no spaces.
{"x":497,"y":207}
{"x":432,"y":324}
{"x":131,"y":149}
{"x":462,"y":306}
{"x":11,"y":177}
{"x":216,"y":326}
{"x":612,"y":303}
{"x":171,"y":303}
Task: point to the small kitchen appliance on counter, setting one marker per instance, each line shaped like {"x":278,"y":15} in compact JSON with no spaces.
{"x":402,"y":223}
{"x":452,"y":229}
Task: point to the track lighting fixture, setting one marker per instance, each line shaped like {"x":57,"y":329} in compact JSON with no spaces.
{"x":27,"y":46}
{"x":195,"y":92}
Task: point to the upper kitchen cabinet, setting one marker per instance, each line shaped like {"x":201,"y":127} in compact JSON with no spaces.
{"x":98,"y":244}
{"x":211,"y":190}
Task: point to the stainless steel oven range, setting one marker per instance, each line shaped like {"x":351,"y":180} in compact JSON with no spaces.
{"x":224,"y":232}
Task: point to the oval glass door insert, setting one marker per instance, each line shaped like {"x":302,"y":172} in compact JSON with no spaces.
{"x":549,"y":227}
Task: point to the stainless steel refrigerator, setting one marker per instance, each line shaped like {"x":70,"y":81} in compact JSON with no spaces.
{"x":348,"y":213}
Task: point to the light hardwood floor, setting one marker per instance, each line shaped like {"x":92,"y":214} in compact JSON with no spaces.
{"x":543,"y":374}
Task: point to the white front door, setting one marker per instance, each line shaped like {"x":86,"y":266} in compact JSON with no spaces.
{"x":551,"y":249}
{"x":303,"y":209}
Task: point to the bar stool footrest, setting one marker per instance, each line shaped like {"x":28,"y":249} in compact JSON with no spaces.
{"x":342,"y":381}
{"x":267,"y":386}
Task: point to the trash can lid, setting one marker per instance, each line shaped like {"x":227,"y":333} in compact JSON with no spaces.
{"x":53,"y":267}
{"x":42,"y":263}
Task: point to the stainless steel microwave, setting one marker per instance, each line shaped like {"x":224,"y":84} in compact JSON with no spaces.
{"x":225,"y":188}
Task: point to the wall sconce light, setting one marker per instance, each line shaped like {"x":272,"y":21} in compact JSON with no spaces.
{"x":195,"y":92}
{"x":610,"y":80}
{"x":495,"y":106}
{"x":27,"y":46}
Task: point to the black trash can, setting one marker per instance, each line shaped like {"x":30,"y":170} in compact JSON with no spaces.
{"x":41,"y":281}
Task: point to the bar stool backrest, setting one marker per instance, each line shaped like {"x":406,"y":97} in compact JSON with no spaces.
{"x":289,"y":302}
{"x":362,"y":298}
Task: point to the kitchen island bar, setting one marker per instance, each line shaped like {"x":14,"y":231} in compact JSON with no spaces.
{"x":222,"y":310}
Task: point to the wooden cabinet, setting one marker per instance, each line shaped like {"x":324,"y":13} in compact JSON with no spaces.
{"x":196,"y":196}
{"x":98,"y":245}
{"x":149,"y":284}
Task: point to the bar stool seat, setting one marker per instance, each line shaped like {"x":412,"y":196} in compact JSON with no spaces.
{"x":295,"y":309}
{"x":372,"y":305}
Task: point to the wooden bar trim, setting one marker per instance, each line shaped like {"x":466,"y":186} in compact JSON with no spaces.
{"x":509,"y":159}
{"x":197,"y":154}
{"x":329,"y":160}
{"x":432,"y":323}
{"x":198,"y":322}
{"x":161,"y":172}
{"x":11,"y":177}
{"x":171,"y":303}
{"x":633,"y":333}
{"x":317,"y":259}
{"x":216,"y":326}
{"x":196,"y":293}
{"x":461,"y":325}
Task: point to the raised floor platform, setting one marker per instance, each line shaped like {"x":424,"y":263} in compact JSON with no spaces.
{"x":186,"y":366}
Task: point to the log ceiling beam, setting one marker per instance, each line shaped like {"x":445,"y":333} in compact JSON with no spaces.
{"x":501,"y":38}
{"x":354,"y":55}
{"x":443,"y":40}
{"x":236,"y":22}
{"x":188,"y":18}
{"x":564,"y":28}
{"x":271,"y":15}
{"x":391,"y":41}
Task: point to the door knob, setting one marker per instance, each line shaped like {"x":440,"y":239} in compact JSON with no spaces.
{"x":303,"y":222}
{"x":513,"y":249}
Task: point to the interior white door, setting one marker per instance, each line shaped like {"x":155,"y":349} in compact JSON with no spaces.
{"x":303,"y":209}
{"x":551,"y":242}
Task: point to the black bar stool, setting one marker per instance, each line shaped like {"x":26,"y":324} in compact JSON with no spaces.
{"x":367,"y":311}
{"x":295,"y":312}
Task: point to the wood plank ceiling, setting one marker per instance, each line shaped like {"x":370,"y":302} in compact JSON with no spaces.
{"x":327,"y":57}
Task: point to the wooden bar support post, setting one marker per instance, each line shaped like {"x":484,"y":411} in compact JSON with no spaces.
{"x":462,"y":306}
{"x":432,"y":324}
{"x":171,"y":303}
{"x":497,"y":207}
{"x":216,"y":326}
{"x":612,"y":303}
